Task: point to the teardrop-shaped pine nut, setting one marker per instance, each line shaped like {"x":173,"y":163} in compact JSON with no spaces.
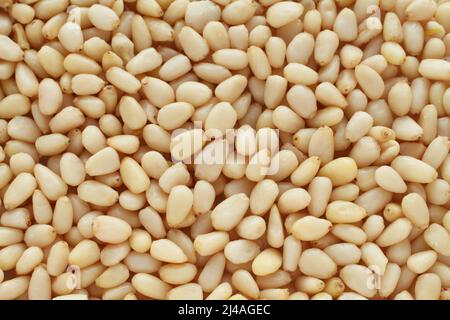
{"x":428,"y":287}
{"x":210,"y":243}
{"x":50,"y":96}
{"x":416,"y":210}
{"x":390,"y":180}
{"x":316,"y":263}
{"x":414,"y":170}
{"x":97,"y":193}
{"x":179,"y":205}
{"x":150,"y":286}
{"x":396,"y":232}
{"x":167,"y":251}
{"x":438,"y":239}
{"x":49,"y":182}
{"x":227,"y":214}
{"x":133,"y":176}
{"x":20,"y":189}
{"x":293,"y":200}
{"x":103,"y":162}
{"x":310,"y":228}
{"x":103,"y":18}
{"x":84,"y":254}
{"x":267,"y":262}
{"x":421,"y":261}
{"x":145,"y":61}
{"x":282,"y":13}
{"x":345,"y":212}
{"x":10,"y":50}
{"x":263,"y":196}
{"x":132,"y":113}
{"x":111,"y":229}
{"x":341,"y":170}
{"x":360,"y":279}
{"x":370,"y":81}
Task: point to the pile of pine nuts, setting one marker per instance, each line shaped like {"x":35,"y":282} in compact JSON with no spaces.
{"x":333,"y":184}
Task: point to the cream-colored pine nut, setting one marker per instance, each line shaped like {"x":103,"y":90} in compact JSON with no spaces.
{"x":20,"y":189}
{"x":19,"y":218}
{"x":374,"y":257}
{"x":414,"y":170}
{"x":396,"y":232}
{"x":316,"y":263}
{"x":370,"y":81}
{"x":357,"y":278}
{"x":309,"y":285}
{"x":243,"y":281}
{"x":241,"y":251}
{"x":328,"y":95}
{"x":263,"y":196}
{"x":211,"y":275}
{"x":276,"y":14}
{"x":177,"y":274}
{"x":251,"y":227}
{"x":373,"y":227}
{"x":167,"y":251}
{"x":326,"y":44}
{"x":345,"y":25}
{"x":12,"y":289}
{"x":343,"y":253}
{"x":179,"y":205}
{"x":57,"y":259}
{"x":344,"y":212}
{"x":415,"y":209}
{"x":133,"y":176}
{"x":340,"y":170}
{"x":97,"y":193}
{"x":349,"y":233}
{"x":113,"y":276}
{"x":420,"y":262}
{"x":390,"y":180}
{"x":123,"y":80}
{"x":174,"y":115}
{"x":13,"y":105}
{"x":150,"y":286}
{"x":437,"y":238}
{"x":310,"y":228}
{"x":231,"y":88}
{"x":103,"y":17}
{"x":267,"y":262}
{"x":110,"y":229}
{"x":435,"y":69}
{"x":230,"y":212}
{"x":215,"y":34}
{"x":114,"y":253}
{"x":428,"y":287}
{"x":293,"y":200}
{"x":211,"y":243}
{"x":10,"y":51}
{"x":358,"y":126}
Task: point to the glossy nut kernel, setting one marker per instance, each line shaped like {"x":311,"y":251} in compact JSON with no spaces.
{"x":344,"y":212}
{"x":229,"y":212}
{"x":310,"y":228}
{"x":110,"y":229}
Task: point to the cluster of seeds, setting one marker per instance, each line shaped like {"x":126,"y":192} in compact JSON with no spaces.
{"x":334,"y":184}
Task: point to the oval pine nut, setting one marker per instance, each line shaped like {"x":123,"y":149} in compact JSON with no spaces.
{"x":110,"y":229}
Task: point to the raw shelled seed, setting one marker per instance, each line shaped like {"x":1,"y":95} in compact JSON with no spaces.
{"x":225,"y":149}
